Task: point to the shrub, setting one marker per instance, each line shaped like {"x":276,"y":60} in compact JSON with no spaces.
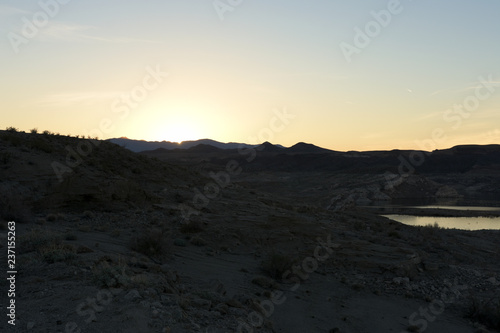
{"x":11,"y":129}
{"x":394,"y":234}
{"x":435,"y":225}
{"x":88,"y":214}
{"x":12,"y":137}
{"x":58,"y":252}
{"x":5,"y":157}
{"x":413,"y":329}
{"x":191,"y":227}
{"x":13,"y":207}
{"x":359,"y":225}
{"x":38,"y":240}
{"x":41,"y":144}
{"x":264,"y":282}
{"x":151,"y":243}
{"x":106,"y":275}
{"x":71,"y":237}
{"x":48,"y":245}
{"x":34,"y":131}
{"x":276,"y":265}
{"x":486,"y":312}
{"x":198,"y":241}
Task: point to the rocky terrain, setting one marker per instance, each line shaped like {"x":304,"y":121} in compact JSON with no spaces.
{"x":113,"y":241}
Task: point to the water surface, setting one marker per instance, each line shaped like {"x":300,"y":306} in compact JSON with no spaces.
{"x":464,"y":223}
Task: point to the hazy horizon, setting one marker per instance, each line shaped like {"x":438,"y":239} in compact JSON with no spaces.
{"x":343,"y":76}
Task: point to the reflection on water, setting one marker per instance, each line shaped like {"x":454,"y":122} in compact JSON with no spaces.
{"x":464,"y":223}
{"x":474,"y":208}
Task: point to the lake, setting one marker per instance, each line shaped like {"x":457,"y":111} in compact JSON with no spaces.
{"x":474,"y":208}
{"x":464,"y":223}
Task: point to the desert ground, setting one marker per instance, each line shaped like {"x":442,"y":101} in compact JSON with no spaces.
{"x":115,"y":241}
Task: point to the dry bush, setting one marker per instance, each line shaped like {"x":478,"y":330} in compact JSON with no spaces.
{"x":58,"y":252}
{"x":14,"y":206}
{"x":152,"y":243}
{"x":38,"y":240}
{"x":275,"y":265}
{"x":486,"y":312}
{"x":106,"y":275}
{"x":198,"y":241}
{"x":264,"y":282}
{"x":5,"y":157}
{"x":13,"y":137}
{"x":191,"y":227}
{"x":40,"y":143}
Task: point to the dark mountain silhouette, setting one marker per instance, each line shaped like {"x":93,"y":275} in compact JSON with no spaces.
{"x":302,"y":147}
{"x":203,"y":148}
{"x":141,"y":145}
{"x":268,"y":147}
{"x":458,"y":166}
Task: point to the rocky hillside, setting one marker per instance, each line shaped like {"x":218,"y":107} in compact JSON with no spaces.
{"x":111,"y":241}
{"x":48,"y":171}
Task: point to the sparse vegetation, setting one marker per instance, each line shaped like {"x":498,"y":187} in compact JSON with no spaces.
{"x":264,"y":282}
{"x":5,"y":157}
{"x":58,"y":252}
{"x":179,"y":198}
{"x":151,"y":243}
{"x":48,"y":245}
{"x":198,"y":241}
{"x":191,"y":227}
{"x":106,"y":275}
{"x":88,"y":214}
{"x":435,"y":225}
{"x":116,"y":233}
{"x":13,"y":137}
{"x":486,"y":312}
{"x":275,"y":265}
{"x":13,"y":206}
{"x":37,"y":240}
{"x":40,"y":143}
{"x":394,"y":234}
{"x":364,"y":253}
{"x":413,"y":329}
{"x":71,"y":237}
{"x":359,"y":225}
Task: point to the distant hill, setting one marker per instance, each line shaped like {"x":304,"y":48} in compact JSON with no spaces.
{"x":141,"y":145}
{"x":302,"y":147}
{"x":40,"y":171}
{"x":268,"y":147}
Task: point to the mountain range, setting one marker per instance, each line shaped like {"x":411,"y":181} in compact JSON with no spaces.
{"x":142,"y":145}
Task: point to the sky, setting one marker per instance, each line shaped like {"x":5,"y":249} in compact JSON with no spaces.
{"x":344,"y":75}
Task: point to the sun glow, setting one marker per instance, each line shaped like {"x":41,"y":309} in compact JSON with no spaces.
{"x":178,"y":130}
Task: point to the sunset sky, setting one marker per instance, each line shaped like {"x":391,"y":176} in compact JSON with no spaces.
{"x":352,"y":75}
